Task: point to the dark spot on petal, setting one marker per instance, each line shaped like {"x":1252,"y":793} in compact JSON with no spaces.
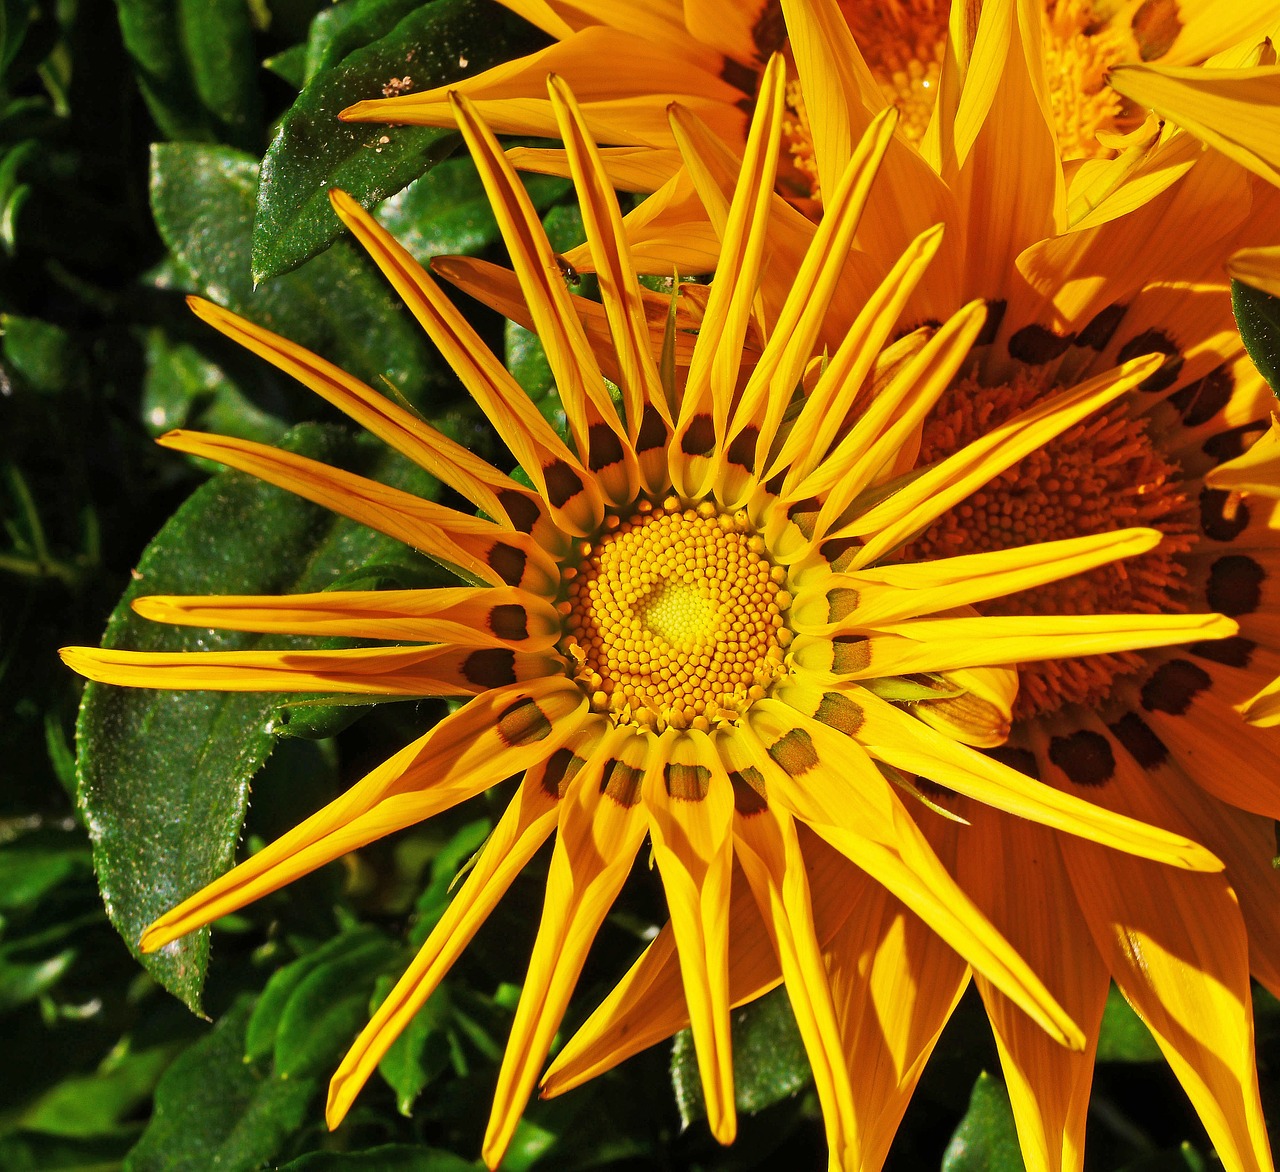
{"x":804,"y":515}
{"x":1214,"y":521}
{"x":522,"y":512}
{"x":1154,"y":342}
{"x":1023,"y":760}
{"x":1235,"y":585}
{"x":563,"y":483}
{"x":1135,"y":734}
{"x":742,"y":451}
{"x":741,"y":77}
{"x":1200,"y":401}
{"x":653,"y":429}
{"x":991,"y":327}
{"x":841,"y":602}
{"x":794,"y":752}
{"x":1102,"y":327}
{"x":774,"y":484}
{"x":507,"y":562}
{"x":561,"y":768}
{"x":839,"y":552}
{"x":492,"y":667}
{"x":1085,"y":757}
{"x":1173,"y":685}
{"x":509,"y":621}
{"x":1233,"y":442}
{"x":840,"y":713}
{"x":1036,"y":344}
{"x":932,"y":324}
{"x":1156,"y":26}
{"x":1234,"y":651}
{"x":699,"y":438}
{"x":748,"y":791}
{"x":604,"y":445}
{"x":849,"y":653}
{"x":621,"y":782}
{"x":523,"y":723}
{"x":688,"y":783}
{"x":769,"y":33}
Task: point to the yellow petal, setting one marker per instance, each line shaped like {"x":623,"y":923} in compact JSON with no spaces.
{"x":528,"y":821}
{"x":494,"y":736}
{"x":602,"y":824}
{"x":475,"y":548}
{"x":487,"y":616}
{"x":689,"y":801}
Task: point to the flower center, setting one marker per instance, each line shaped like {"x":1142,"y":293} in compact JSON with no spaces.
{"x":1101,"y":475}
{"x":675,"y":617}
{"x":904,"y":43}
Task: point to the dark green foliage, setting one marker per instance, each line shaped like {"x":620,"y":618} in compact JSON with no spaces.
{"x":1258,"y":318}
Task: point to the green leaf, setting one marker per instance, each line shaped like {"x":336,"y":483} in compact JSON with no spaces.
{"x":196,"y":66}
{"x":769,"y":1062}
{"x":15,"y":15}
{"x":389,"y":1158}
{"x":328,"y":1007}
{"x":215,"y":1110}
{"x":100,"y":1103}
{"x":35,"y":864}
{"x":164,"y":776}
{"x":986,"y":1140}
{"x":421,"y":1051}
{"x":1258,"y":319}
{"x":313,"y":151}
{"x":202,"y":199}
{"x":344,"y":28}
{"x":1123,"y":1036}
{"x":45,"y":357}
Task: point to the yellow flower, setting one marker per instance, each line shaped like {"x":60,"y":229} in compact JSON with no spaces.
{"x":697,"y":627}
{"x":1082,"y":266}
{"x":628,"y":63}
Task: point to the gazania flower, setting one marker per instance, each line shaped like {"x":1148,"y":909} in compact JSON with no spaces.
{"x":627,"y":64}
{"x":1082,"y":267}
{"x":697,"y":625}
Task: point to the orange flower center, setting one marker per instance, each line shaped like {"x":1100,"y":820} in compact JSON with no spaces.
{"x":1101,"y":475}
{"x":675,"y":617}
{"x":904,"y":44}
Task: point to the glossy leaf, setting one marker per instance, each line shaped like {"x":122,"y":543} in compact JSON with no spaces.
{"x":769,"y":1062}
{"x":164,"y":776}
{"x":340,"y":307}
{"x":1123,"y":1036}
{"x":215,"y":1110}
{"x":313,"y":150}
{"x":1258,"y":319}
{"x":196,"y":66}
{"x":986,"y":1140}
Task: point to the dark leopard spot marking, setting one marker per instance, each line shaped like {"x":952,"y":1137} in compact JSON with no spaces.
{"x":1200,"y":401}
{"x":1154,"y":342}
{"x":522,"y":512}
{"x":1085,"y":757}
{"x":1102,"y":326}
{"x":748,"y":791}
{"x":653,"y":430}
{"x":1036,"y":344}
{"x":523,"y":723}
{"x":1139,"y":741}
{"x":1173,"y":686}
{"x":1214,"y":522}
{"x":742,"y":451}
{"x":561,"y":768}
{"x":1156,"y":26}
{"x":1235,"y":585}
{"x":991,"y":327}
{"x":492,"y":667}
{"x":1023,"y":760}
{"x":794,"y":752}
{"x":604,"y":445}
{"x":508,"y":563}
{"x":699,"y":438}
{"x":1234,"y":441}
{"x":621,"y":782}
{"x":849,"y":653}
{"x":563,"y":483}
{"x":509,"y":621}
{"x":1234,"y":651}
{"x":687,"y":783}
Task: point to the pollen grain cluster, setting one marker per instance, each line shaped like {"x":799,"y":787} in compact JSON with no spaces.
{"x":675,"y":617}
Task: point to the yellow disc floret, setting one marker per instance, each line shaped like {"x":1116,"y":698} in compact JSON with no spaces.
{"x":675,"y":617}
